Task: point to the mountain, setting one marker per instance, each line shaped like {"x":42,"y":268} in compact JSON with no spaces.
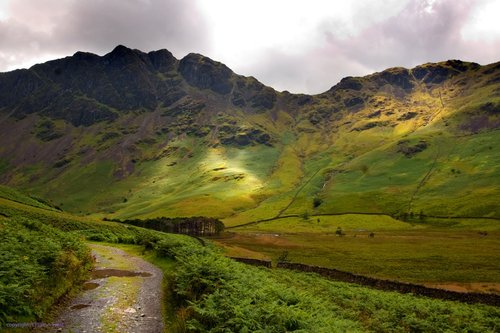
{"x":134,"y":134}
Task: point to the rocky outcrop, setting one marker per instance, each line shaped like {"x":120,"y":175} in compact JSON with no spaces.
{"x":87,"y":88}
{"x":238,"y":136}
{"x":435,"y":73}
{"x":409,"y":150}
{"x":348,"y":83}
{"x":353,"y":101}
{"x":18,"y":85}
{"x":204,"y":73}
{"x":252,"y":93}
{"x":398,"y":77}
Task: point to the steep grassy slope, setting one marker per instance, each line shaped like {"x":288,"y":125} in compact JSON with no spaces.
{"x":135,"y":134}
{"x":14,"y":195}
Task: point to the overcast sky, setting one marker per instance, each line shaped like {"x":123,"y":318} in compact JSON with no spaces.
{"x":300,"y":46}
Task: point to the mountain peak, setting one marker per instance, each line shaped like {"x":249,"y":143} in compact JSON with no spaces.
{"x":205,"y":73}
{"x":435,"y":73}
{"x":122,"y":57}
{"x":123,"y":52}
{"x":162,"y":59}
{"x":121,"y":49}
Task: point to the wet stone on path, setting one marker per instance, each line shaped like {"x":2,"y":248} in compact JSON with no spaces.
{"x":104,"y":273}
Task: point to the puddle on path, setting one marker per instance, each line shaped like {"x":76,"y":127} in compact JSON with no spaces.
{"x":79,"y":306}
{"x":104,"y":273}
{"x":90,"y":285}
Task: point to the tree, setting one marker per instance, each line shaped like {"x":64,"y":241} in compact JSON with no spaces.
{"x":317,"y":202}
{"x":283,"y":257}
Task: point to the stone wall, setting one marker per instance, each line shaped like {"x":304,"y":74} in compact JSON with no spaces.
{"x":254,"y":262}
{"x":402,"y":287}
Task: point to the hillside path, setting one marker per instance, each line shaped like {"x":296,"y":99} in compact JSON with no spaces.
{"x":123,"y":295}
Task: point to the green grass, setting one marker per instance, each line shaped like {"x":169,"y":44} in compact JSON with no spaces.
{"x":39,"y":264}
{"x":222,"y":295}
{"x":208,"y":292}
{"x":203,"y":184}
{"x":427,"y":251}
{"x":213,"y":293}
{"x":93,"y":182}
{"x":190,"y":181}
{"x":384,"y":180}
{"x":14,"y":195}
{"x":4,"y":165}
{"x":174,"y":174}
{"x":391,"y":312}
{"x":328,"y":224}
{"x":348,"y":170}
{"x":44,"y":256}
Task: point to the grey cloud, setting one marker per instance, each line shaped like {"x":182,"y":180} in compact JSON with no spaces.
{"x":17,"y":43}
{"x":314,"y":71}
{"x":98,"y":26}
{"x":415,"y":36}
{"x":411,"y":37}
{"x":144,"y":24}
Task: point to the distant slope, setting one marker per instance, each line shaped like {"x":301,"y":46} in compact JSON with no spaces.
{"x":144,"y":134}
{"x":17,"y":196}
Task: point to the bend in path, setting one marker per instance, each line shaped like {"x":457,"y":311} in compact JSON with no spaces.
{"x":124,"y":295}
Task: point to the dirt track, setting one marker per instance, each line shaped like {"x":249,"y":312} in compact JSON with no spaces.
{"x":124,"y":295}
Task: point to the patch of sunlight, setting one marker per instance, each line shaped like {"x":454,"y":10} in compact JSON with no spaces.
{"x":225,"y":169}
{"x":403,"y":128}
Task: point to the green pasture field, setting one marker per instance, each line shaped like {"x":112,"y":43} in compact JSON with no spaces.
{"x":428,"y":251}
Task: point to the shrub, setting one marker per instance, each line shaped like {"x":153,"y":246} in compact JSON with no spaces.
{"x":38,"y":265}
{"x":283,"y":257}
{"x":317,"y":202}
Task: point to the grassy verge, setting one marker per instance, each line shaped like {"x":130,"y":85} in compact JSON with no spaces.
{"x":38,"y":265}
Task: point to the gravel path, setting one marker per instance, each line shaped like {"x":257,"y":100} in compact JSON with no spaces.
{"x":124,"y":295}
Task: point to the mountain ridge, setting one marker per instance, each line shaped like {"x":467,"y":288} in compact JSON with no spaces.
{"x":227,"y":144}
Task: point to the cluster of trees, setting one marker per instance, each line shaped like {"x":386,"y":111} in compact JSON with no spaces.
{"x":195,"y":226}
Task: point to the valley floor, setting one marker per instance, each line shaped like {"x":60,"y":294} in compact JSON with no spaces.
{"x":204,"y":291}
{"x":459,"y":255}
